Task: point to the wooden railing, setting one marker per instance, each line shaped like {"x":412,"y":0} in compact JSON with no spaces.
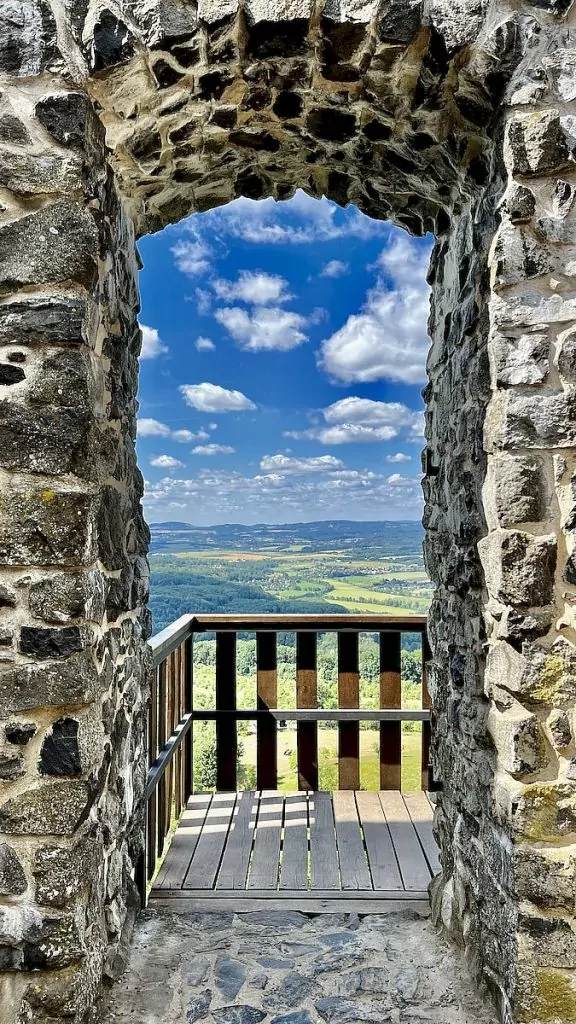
{"x":171,"y":713}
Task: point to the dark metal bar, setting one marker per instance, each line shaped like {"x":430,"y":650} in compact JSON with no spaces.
{"x":267,"y":696}
{"x":163,"y":761}
{"x":226,"y":733}
{"x":390,"y":697}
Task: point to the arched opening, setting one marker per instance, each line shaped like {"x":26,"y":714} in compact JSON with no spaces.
{"x":418,"y":119}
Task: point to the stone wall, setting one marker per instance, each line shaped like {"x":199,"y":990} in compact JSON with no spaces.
{"x":450,"y":116}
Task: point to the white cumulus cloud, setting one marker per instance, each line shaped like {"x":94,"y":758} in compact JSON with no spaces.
{"x":361,"y":420}
{"x":398,"y":457}
{"x":213,"y":449}
{"x":285,"y":464}
{"x":166,"y":462}
{"x":213,"y":398}
{"x":256,"y":288}
{"x":334,"y":268}
{"x":266,"y":328}
{"x":152,"y":344}
{"x":388,"y":339}
{"x":152,"y":428}
{"x":204,"y":344}
{"x":193,"y":255}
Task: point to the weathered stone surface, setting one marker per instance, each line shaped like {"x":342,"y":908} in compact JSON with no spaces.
{"x":519,"y":567}
{"x":61,"y":872}
{"x":12,"y":765}
{"x":69,"y":117}
{"x":42,"y":321}
{"x":560,"y":728}
{"x":537,"y":143}
{"x":25,"y":687}
{"x":230,"y":976}
{"x":27,"y":37}
{"x":12,"y":875}
{"x":20,"y":732}
{"x":51,"y":643}
{"x":57,"y":243}
{"x":518,"y":739}
{"x":47,"y":528}
{"x":54,"y":809}
{"x":66,"y":596}
{"x":60,"y":753}
{"x":519,"y":489}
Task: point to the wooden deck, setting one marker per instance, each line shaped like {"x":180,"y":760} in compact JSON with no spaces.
{"x":243,"y":848}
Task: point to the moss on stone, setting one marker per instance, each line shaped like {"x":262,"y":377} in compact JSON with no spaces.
{"x":48,"y":496}
{"x":552,"y":997}
{"x":547,"y":812}
{"x":550,"y":681}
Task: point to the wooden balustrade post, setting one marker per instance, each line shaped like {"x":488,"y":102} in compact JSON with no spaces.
{"x":226,"y":732}
{"x":348,"y":697}
{"x":307,"y":697}
{"x":267,"y":697}
{"x":390,"y":697}
{"x":153,"y":748}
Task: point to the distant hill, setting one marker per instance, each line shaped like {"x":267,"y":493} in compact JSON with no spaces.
{"x":328,"y":535}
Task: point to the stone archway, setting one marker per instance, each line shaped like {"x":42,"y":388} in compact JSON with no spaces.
{"x":118,"y":118}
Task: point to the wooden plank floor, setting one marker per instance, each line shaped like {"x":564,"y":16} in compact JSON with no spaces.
{"x":297,"y":846}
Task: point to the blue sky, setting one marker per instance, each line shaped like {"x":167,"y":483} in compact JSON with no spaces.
{"x":284,"y":349}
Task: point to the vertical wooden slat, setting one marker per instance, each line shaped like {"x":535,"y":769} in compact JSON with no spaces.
{"x":162,"y":713}
{"x":390,"y":697}
{"x":267,"y":697}
{"x":169,"y":776}
{"x":188,"y":706}
{"x":152,"y":815}
{"x":426,"y":703}
{"x":348,"y":697}
{"x":226,"y":734}
{"x":307,"y":697}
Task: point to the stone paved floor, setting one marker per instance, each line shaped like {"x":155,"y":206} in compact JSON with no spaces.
{"x":283,"y":967}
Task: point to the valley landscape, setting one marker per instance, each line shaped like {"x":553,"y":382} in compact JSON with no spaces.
{"x":335,"y":566}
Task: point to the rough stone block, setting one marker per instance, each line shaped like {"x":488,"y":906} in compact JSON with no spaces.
{"x":29,"y":175}
{"x":546,"y":876}
{"x":536,"y":143}
{"x":26,"y":687}
{"x":20,"y":732}
{"x":517,"y":738}
{"x":60,"y":753}
{"x":558,"y":723}
{"x":12,"y":875}
{"x":69,"y":117}
{"x":540,"y":420}
{"x":519,"y":567}
{"x":39,"y":321}
{"x":47,"y":528}
{"x":518,"y":489}
{"x":62,"y":872}
{"x":27,"y":37}
{"x":57,"y":243}
{"x":53,"y":809}
{"x":12,"y":765}
{"x":521,"y":358}
{"x":549,"y":673}
{"x":544,"y":812}
{"x":52,"y":643}
{"x":65,"y":596}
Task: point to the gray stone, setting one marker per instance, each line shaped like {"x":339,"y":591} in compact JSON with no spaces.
{"x":537,"y":142}
{"x":27,"y":37}
{"x":560,"y":728}
{"x":60,"y":752}
{"x":292,"y":990}
{"x":20,"y":732}
{"x":278,"y":920}
{"x":196,"y":972}
{"x":51,"y":643}
{"x":275,"y":963}
{"x":199,"y":1006}
{"x":12,"y":765}
{"x":12,"y":875}
{"x":229,"y":975}
{"x":57,"y":243}
{"x":238,"y":1015}
{"x":55,"y":809}
{"x":39,"y":321}
{"x":519,"y":568}
{"x":296,"y":1017}
{"x":60,"y":871}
